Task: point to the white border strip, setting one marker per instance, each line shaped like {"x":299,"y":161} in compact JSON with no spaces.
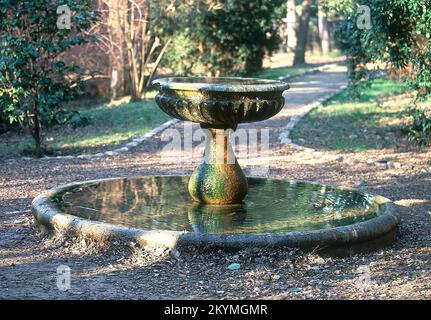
{"x":124,"y":148}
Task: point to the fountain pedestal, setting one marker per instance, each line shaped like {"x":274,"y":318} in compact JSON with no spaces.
{"x":218,"y":179}
{"x":219,"y":104}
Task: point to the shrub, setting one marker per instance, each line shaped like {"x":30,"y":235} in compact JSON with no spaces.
{"x":420,"y":129}
{"x":399,"y":36}
{"x":225,"y":37}
{"x":181,"y":55}
{"x":34,"y":81}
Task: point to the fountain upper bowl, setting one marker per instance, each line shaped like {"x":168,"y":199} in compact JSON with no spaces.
{"x":220,"y":102}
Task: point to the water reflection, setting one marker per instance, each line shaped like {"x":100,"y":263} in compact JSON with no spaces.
{"x":270,"y":206}
{"x":216,"y":219}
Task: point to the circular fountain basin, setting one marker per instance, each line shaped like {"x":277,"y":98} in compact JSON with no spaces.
{"x":157,"y":211}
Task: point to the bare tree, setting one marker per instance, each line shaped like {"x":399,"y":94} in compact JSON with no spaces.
{"x":127,"y":32}
{"x":117,"y":25}
{"x":323,"y":29}
{"x":141,"y":47}
{"x":291,"y":25}
{"x":302,"y":33}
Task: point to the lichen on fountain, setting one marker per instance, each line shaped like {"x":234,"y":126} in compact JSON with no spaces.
{"x":219,"y":105}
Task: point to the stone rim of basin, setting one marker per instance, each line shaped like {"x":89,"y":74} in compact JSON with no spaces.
{"x":220,"y":84}
{"x":360,"y":237}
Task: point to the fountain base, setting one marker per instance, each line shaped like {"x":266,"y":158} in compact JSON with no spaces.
{"x":157,"y":211}
{"x":218,"y":179}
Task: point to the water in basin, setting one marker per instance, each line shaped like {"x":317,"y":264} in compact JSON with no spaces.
{"x":271,"y":206}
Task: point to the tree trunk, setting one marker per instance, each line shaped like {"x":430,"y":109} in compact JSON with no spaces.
{"x":302,"y":33}
{"x":313,"y":40}
{"x":35,"y":130}
{"x":118,"y":24}
{"x":323,"y":30}
{"x":134,"y":45}
{"x":291,"y":25}
{"x":37,"y":140}
{"x":136,"y":51}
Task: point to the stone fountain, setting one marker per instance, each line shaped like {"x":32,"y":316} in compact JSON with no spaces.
{"x":218,"y":206}
{"x":219,"y":104}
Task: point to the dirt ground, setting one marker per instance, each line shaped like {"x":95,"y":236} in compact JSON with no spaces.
{"x":29,"y":261}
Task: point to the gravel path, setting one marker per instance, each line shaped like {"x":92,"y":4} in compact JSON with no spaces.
{"x":28,"y":262}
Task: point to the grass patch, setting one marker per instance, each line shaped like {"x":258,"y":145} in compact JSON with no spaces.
{"x":333,"y":54}
{"x":373,"y":121}
{"x":284,"y":70}
{"x":277,"y":73}
{"x":112,"y":124}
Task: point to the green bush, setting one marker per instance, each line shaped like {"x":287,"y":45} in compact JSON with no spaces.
{"x":399,"y":37}
{"x":225,"y":37}
{"x":34,"y":81}
{"x":181,"y":55}
{"x":71,"y":118}
{"x":5,"y":125}
{"x":420,"y":130}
